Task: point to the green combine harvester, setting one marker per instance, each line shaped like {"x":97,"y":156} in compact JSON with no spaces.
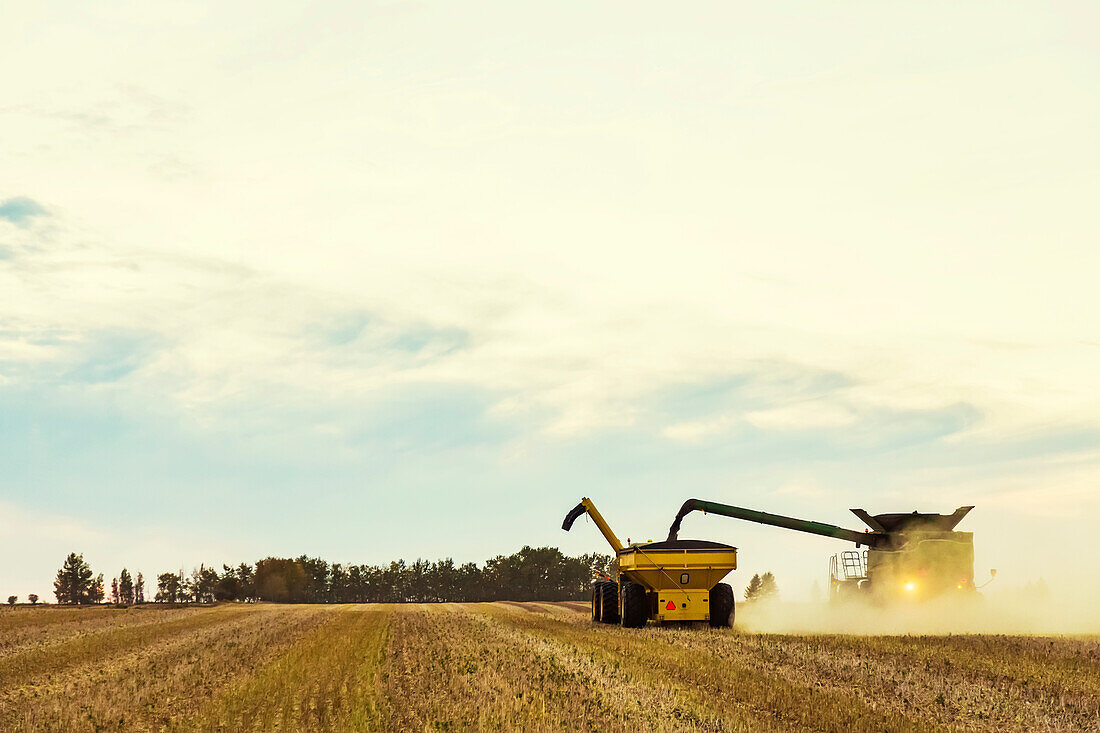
{"x":912,"y":556}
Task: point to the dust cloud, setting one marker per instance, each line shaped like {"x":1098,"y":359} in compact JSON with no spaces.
{"x":1022,"y":611}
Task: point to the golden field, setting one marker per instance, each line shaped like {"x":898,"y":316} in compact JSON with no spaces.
{"x":515,"y":666}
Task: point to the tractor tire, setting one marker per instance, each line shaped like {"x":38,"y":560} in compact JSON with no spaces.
{"x":609,"y":603}
{"x":597,"y":599}
{"x":635,"y":606}
{"x":721,"y":606}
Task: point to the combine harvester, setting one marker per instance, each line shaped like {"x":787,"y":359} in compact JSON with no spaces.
{"x":675,"y":580}
{"x":908,"y":557}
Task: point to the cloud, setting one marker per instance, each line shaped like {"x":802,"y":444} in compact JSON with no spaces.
{"x":94,"y":356}
{"x":21,"y":210}
{"x":110,"y":355}
{"x":361,"y":333}
{"x":773,"y":395}
{"x":341,"y":329}
{"x":437,"y":341}
{"x":420,"y":419}
{"x":803,"y":416}
{"x":697,"y":430}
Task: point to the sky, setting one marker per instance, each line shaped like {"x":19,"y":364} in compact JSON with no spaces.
{"x":396,"y":280}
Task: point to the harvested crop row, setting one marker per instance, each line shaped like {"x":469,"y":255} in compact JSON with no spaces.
{"x":38,"y":662}
{"x":530,"y":666}
{"x":630,"y":701}
{"x":146,"y":686}
{"x":956,"y":680}
{"x":41,"y":616}
{"x":977,"y":682}
{"x":882,"y":683}
{"x":60,"y":626}
{"x":328,"y":680}
{"x":717,"y":689}
{"x":448,"y":670}
{"x":1065,"y":663}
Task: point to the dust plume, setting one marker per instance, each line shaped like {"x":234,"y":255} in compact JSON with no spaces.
{"x":1029,"y":610}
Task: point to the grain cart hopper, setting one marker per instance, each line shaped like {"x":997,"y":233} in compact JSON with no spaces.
{"x":676,"y":580}
{"x":908,"y":556}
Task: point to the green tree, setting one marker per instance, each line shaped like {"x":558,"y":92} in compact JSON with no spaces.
{"x":317,"y":570}
{"x":768,"y":586}
{"x":114,"y":591}
{"x":125,"y":587}
{"x":12,"y":600}
{"x":752,"y":590}
{"x":139,"y":589}
{"x":205,"y":584}
{"x":228,"y":587}
{"x":97,"y":589}
{"x":246,"y":577}
{"x":761,"y":587}
{"x":168,"y":588}
{"x":74,"y":582}
{"x":282,"y":580}
{"x":33,"y":598}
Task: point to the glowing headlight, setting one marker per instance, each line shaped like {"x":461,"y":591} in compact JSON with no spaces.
{"x":910,"y":587}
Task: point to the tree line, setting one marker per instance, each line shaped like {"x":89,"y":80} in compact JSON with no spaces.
{"x":533,"y":573}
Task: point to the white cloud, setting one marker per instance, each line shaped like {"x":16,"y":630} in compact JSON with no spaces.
{"x":696,"y":430}
{"x":803,"y":416}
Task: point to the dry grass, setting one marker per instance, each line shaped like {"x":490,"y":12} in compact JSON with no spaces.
{"x":142,"y":677}
{"x":452,"y":669}
{"x":328,"y":680}
{"x":517,"y":666}
{"x":46,"y":625}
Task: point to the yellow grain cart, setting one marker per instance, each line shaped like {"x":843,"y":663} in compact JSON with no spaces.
{"x":675,"y":580}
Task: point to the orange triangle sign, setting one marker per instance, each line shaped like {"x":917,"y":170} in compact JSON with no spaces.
{"x":671,"y":606}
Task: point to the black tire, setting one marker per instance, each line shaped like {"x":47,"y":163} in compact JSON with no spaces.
{"x":721,"y":606}
{"x":609,"y":603}
{"x":635,"y":606}
{"x":597,"y":599}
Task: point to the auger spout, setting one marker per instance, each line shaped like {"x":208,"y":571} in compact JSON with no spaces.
{"x":870,"y":539}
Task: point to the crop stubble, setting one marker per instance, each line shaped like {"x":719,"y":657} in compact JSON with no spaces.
{"x":516,"y":666}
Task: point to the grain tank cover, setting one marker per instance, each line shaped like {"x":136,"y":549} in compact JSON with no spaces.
{"x":679,"y":545}
{"x":913,"y":522}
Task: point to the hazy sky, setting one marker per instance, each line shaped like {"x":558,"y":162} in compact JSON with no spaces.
{"x":379,"y":280}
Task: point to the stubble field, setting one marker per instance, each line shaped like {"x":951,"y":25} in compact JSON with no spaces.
{"x":521,"y":666}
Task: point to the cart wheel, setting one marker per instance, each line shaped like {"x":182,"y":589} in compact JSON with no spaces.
{"x":596,"y":600}
{"x":609,"y":602}
{"x":635,"y":607}
{"x":721,"y":605}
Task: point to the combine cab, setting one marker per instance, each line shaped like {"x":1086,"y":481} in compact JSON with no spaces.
{"x":847,"y":574}
{"x":675,"y":580}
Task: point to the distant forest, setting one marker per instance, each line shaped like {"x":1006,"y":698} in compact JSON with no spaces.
{"x":533,"y":573}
